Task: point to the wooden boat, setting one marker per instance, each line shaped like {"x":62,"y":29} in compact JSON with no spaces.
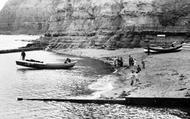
{"x":165,"y":50}
{"x":41,"y":65}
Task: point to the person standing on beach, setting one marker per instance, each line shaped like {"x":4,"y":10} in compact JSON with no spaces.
{"x":23,"y":55}
{"x":134,"y":62}
{"x":121,"y":62}
{"x":143,"y":64}
{"x":138,"y":68}
{"x":115,"y":62}
{"x":118,"y":62}
{"x":132,"y":77}
{"x":131,"y":61}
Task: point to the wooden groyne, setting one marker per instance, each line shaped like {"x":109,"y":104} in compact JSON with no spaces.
{"x":158,"y":102}
{"x":129,"y":101}
{"x":19,"y":50}
{"x":96,"y":101}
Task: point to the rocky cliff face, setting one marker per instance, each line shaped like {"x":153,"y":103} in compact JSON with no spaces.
{"x":84,"y":23}
{"x":95,"y":23}
{"x":25,"y":16}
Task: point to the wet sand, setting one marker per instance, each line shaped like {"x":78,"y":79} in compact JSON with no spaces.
{"x":165,"y":75}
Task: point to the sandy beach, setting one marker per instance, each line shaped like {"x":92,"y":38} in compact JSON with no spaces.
{"x":165,"y":75}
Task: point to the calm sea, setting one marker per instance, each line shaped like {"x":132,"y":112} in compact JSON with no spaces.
{"x":16,"y":81}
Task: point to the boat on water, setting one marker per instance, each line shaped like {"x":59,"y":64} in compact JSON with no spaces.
{"x":41,"y":65}
{"x":164,"y":50}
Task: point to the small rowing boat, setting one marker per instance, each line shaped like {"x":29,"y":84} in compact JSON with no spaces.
{"x":41,"y":65}
{"x":164,"y":50}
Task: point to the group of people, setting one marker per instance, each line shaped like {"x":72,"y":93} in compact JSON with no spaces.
{"x":135,"y":67}
{"x":118,"y":62}
{"x":134,"y":74}
{"x":133,"y":62}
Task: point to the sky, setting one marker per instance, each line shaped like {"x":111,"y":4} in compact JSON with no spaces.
{"x":2,"y":3}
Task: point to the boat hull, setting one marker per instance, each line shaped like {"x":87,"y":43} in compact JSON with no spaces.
{"x":164,"y":50}
{"x":40,"y":65}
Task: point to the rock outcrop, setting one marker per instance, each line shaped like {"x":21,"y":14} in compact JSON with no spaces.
{"x":25,"y":16}
{"x":89,"y":23}
{"x":103,"y":24}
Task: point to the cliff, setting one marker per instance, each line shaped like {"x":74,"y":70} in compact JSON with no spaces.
{"x":25,"y":16}
{"x":92,"y":23}
{"x":102,"y":24}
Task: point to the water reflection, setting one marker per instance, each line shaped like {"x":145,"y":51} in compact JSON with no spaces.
{"x":26,"y":69}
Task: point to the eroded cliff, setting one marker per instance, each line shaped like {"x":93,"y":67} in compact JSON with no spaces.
{"x":25,"y":16}
{"x":94,"y":23}
{"x":91,"y":23}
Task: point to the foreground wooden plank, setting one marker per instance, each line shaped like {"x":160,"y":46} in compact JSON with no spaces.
{"x":96,"y":101}
{"x":158,"y":101}
{"x":131,"y":101}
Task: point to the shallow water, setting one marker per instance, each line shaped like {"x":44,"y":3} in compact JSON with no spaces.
{"x":16,"y":81}
{"x":15,"y":41}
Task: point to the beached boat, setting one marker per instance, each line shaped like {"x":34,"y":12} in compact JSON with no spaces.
{"x":165,"y":50}
{"x":41,"y":65}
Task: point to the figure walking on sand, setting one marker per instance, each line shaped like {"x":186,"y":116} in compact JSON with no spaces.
{"x":118,"y":62}
{"x":135,"y":62}
{"x":138,"y":68}
{"x":131,"y":61}
{"x":23,"y":55}
{"x":121,"y":62}
{"x":115,"y":62}
{"x":134,"y":77}
{"x":143,"y":64}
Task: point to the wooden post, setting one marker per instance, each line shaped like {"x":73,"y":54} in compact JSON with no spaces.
{"x":148,"y":45}
{"x":148,"y":48}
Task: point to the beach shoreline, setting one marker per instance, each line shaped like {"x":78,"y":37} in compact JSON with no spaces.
{"x":165,"y":75}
